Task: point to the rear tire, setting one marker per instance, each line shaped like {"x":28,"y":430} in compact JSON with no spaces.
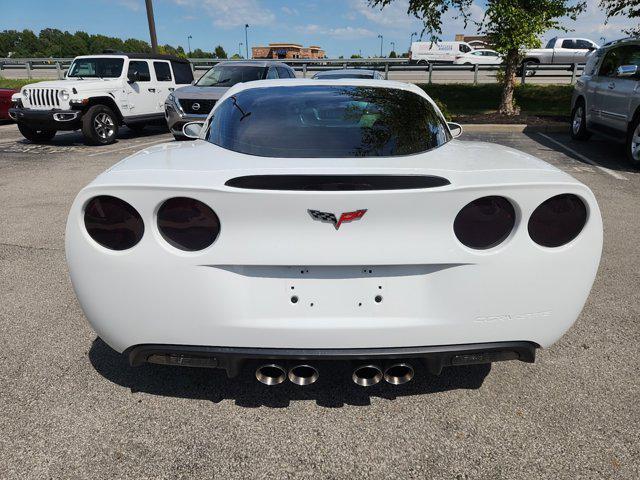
{"x":578,"y":126}
{"x":529,"y":72}
{"x":99,"y":125}
{"x":36,"y":136}
{"x":632,"y":145}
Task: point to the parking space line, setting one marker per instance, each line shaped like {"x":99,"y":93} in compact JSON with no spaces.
{"x":127,"y":148}
{"x":585,"y":159}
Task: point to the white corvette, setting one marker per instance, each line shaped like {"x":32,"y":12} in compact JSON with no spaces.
{"x":334,"y":220}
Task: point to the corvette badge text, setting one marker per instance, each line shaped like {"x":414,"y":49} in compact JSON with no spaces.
{"x":331,"y":218}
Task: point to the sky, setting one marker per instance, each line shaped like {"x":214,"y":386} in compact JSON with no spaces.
{"x":341,"y":27}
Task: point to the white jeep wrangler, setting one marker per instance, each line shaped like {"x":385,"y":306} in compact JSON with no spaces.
{"x":99,"y":94}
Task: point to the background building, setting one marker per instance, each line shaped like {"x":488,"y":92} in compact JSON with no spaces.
{"x":287,"y":50}
{"x":476,"y":41}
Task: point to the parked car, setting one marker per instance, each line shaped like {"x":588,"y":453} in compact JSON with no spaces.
{"x":99,"y":94}
{"x":479,"y":57}
{"x":5,"y":102}
{"x":605,"y":98}
{"x":423,"y":53}
{"x":196,"y":101}
{"x":559,"y":50}
{"x":349,"y":73}
{"x":331,"y":220}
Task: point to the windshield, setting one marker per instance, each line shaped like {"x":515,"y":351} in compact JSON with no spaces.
{"x":327,"y":121}
{"x":96,"y":67}
{"x":228,"y":75}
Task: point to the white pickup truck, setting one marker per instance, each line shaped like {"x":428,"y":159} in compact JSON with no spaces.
{"x":560,"y":50}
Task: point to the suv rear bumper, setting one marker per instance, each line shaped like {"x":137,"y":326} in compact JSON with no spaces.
{"x":47,"y":119}
{"x":231,"y":359}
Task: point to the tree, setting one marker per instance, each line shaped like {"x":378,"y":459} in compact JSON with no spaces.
{"x":219,"y":52}
{"x":393,"y":54}
{"x":623,"y":8}
{"x":236,"y":56}
{"x":355,"y":55}
{"x":512,"y":25}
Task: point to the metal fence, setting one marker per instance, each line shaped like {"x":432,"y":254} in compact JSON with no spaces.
{"x":562,"y":72}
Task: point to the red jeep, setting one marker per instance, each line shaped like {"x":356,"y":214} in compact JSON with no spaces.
{"x":5,"y":102}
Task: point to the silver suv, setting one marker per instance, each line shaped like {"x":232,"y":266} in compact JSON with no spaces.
{"x":606,"y":98}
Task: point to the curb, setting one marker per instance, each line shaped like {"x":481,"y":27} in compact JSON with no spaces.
{"x":514,"y":128}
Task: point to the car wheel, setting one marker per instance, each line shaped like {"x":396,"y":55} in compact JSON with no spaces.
{"x":36,"y":136}
{"x":633,"y":143}
{"x":578,"y":128}
{"x":99,"y":125}
{"x":528,"y":68}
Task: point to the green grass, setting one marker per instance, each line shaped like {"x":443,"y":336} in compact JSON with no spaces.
{"x":462,"y":99}
{"x":17,"y":83}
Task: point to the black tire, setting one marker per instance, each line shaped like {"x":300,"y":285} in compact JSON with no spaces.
{"x":633,"y":147}
{"x":99,"y":125}
{"x":578,"y":125}
{"x":528,"y":72}
{"x":36,"y":136}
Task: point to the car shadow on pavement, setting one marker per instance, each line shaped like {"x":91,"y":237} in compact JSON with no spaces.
{"x":334,"y":388}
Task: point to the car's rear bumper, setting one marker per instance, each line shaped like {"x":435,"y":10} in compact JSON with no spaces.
{"x":231,"y":359}
{"x":47,"y":119}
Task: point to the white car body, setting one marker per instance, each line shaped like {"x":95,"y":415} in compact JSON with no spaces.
{"x":237,"y":293}
{"x":562,"y":50}
{"x":479,"y":57}
{"x":427,"y":52}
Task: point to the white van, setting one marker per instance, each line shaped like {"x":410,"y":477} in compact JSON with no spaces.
{"x":423,"y":53}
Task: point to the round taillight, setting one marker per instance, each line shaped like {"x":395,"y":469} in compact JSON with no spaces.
{"x":485,"y":222}
{"x":188,"y":224}
{"x":558,"y":220}
{"x":113,"y":223}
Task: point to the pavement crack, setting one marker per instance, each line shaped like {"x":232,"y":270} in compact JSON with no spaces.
{"x":30,"y":247}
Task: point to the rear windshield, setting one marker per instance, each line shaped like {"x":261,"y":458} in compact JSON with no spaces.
{"x":327,"y":121}
{"x":228,"y":75}
{"x":96,"y":68}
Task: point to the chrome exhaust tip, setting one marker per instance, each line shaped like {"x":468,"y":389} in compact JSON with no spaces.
{"x":398,"y":373}
{"x":303,"y":374}
{"x":271,"y":374}
{"x":367,"y":375}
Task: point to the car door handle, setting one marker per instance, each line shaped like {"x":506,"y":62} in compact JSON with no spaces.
{"x":152,"y":90}
{"x":611,"y":86}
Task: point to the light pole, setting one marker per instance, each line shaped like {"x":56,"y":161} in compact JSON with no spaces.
{"x":152,"y":26}
{"x":393,"y":47}
{"x":381,"y":42}
{"x":189,"y":43}
{"x":414,"y":34}
{"x":240,"y":49}
{"x":246,"y":39}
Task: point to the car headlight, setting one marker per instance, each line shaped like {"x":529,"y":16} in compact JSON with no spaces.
{"x":63,"y":95}
{"x":171,"y":98}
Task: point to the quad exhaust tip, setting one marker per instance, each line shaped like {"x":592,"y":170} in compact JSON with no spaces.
{"x":398,"y":373}
{"x":303,"y":374}
{"x":271,"y":374}
{"x":367,"y":375}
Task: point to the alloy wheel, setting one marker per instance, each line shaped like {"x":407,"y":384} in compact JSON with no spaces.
{"x":104,"y":126}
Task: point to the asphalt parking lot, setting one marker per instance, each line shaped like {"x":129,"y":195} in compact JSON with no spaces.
{"x":70,"y":407}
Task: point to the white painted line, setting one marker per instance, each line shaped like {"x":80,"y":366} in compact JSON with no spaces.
{"x":127,"y":148}
{"x":585,"y":159}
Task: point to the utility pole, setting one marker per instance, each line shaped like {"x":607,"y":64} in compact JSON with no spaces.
{"x":152,"y":26}
{"x":246,"y":39}
{"x":381,"y":42}
{"x":393,"y":46}
{"x":189,"y":43}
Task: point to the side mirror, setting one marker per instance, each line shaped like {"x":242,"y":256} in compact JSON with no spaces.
{"x":192,"y":129}
{"x":455,"y":129}
{"x":627,"y":70}
{"x":133,"y":76}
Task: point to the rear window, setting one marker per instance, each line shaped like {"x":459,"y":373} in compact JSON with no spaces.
{"x":183,"y":73}
{"x":229,"y":75}
{"x":163,"y":72}
{"x":327,"y":121}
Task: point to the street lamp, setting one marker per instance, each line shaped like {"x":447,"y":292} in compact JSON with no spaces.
{"x":189,"y":43}
{"x":240,"y":49}
{"x":381,"y":42}
{"x":246,"y":39}
{"x":393,"y":46}
{"x":414,"y":34}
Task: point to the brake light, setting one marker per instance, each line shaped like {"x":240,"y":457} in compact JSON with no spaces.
{"x":485,"y":222}
{"x":558,"y":220}
{"x":113,"y":223}
{"x":188,"y":224}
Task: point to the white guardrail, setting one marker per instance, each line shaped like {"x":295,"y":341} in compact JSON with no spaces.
{"x":551,"y":71}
